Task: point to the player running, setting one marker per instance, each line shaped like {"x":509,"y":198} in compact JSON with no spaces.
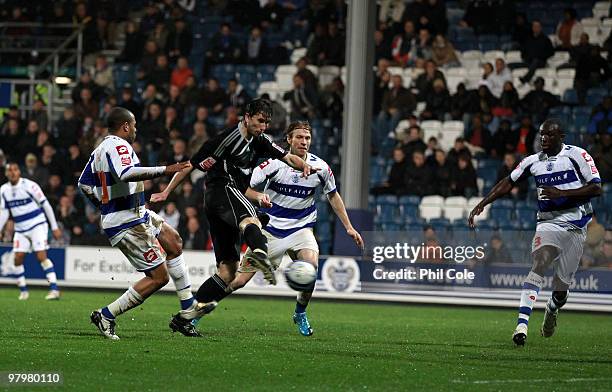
{"x":566,"y":179}
{"x":112,"y":180}
{"x":25,"y":202}
{"x":289,"y":200}
{"x":228,"y":160}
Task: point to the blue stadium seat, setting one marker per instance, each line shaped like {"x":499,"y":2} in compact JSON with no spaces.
{"x":409,"y":212}
{"x":124,"y":74}
{"x":525,"y":214}
{"x":386,"y":200}
{"x":409,"y":200}
{"x":500,"y":214}
{"x":439,"y":223}
{"x":570,"y":96}
{"x":505,"y":203}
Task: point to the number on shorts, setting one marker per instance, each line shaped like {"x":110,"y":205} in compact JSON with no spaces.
{"x":150,"y":255}
{"x":537,"y":241}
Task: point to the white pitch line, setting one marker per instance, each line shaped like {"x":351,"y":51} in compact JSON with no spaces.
{"x":532,"y":380}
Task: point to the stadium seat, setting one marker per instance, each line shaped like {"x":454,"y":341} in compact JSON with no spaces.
{"x":570,"y":96}
{"x":525,"y":214}
{"x":455,"y":201}
{"x":501,"y":214}
{"x":409,"y":201}
{"x":386,"y":200}
{"x":429,"y":212}
{"x":432,"y":200}
{"x":513,"y":56}
{"x":453,"y":213}
{"x":491,"y":55}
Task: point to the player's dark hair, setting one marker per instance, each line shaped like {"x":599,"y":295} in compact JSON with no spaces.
{"x":258,"y":106}
{"x":117,"y":117}
{"x":9,"y":163}
{"x":553,"y":124}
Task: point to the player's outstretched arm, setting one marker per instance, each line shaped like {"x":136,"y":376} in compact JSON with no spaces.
{"x":259,"y":198}
{"x":500,"y":189}
{"x":338,"y":206}
{"x":134,"y":173}
{"x":299,"y":164}
{"x":178,"y":177}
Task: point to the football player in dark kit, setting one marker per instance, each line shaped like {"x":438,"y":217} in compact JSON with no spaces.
{"x":228,"y":159}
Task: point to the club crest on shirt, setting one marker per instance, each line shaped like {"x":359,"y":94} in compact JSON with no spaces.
{"x":549,"y":166}
{"x":295,"y":178}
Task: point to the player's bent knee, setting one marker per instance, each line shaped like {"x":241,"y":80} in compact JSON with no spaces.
{"x":248,"y":221}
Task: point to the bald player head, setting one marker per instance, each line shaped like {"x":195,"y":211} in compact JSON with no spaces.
{"x":121,"y":122}
{"x":551,"y":136}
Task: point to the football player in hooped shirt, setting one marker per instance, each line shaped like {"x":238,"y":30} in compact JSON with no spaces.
{"x":566,"y":179}
{"x":228,"y":159}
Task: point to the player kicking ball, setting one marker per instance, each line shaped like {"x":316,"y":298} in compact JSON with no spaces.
{"x":112,"y":180}
{"x":566,"y":179}
{"x":26,"y":203}
{"x":289,"y":200}
{"x":228,"y":159}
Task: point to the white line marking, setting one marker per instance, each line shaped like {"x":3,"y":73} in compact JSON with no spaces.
{"x":511,"y":381}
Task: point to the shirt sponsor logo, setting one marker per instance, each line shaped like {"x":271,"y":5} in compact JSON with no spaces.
{"x":126,"y":161}
{"x":122,"y":150}
{"x":207,"y":163}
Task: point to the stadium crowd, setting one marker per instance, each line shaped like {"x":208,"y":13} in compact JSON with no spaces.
{"x":180,"y":102}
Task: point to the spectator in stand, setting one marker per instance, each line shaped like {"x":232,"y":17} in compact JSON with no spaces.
{"x":224,"y":47}
{"x":256,"y":47}
{"x":443,"y":52}
{"x":442,"y":174}
{"x":174,"y":100}
{"x":520,"y":31}
{"x":382,"y":47}
{"x":519,"y":189}
{"x":10,"y":140}
{"x":33,"y":171}
{"x":67,"y":128}
{"x":569,"y":29}
{"x":316,"y":45}
{"x":170,"y":214}
{"x":180,"y":40}
{"x":478,"y":135}
{"x":213,"y":97}
{"x":171,"y":120}
{"x":536,"y":50}
{"x":391,"y":11}
{"x":524,"y":137}
{"x":592,"y":70}
{"x":601,"y":118}
{"x":509,"y":102}
{"x":91,"y":39}
{"x":397,"y":103}
{"x":382,"y":78}
{"x":504,"y":140}
{"x":496,"y":80}
{"x":538,"y":102}
{"x":487,"y":70}
{"x":424,"y":82}
{"x":68,"y":216}
{"x":134,"y":43}
{"x":39,"y":114}
{"x":85,"y":81}
{"x":148,"y":59}
{"x":193,"y":236}
{"x":279,"y":117}
{"x":181,"y":73}
{"x":28,"y":141}
{"x":200,"y":136}
{"x":102,"y":74}
{"x":402,"y":45}
{"x":498,"y":253}
{"x":128,"y":102}
{"x":76,"y":162}
{"x":53,"y":189}
{"x":463,"y":103}
{"x":151,"y":18}
{"x":160,"y":74}
{"x":418,"y":178}
{"x":582,"y":49}
{"x":463,"y":178}
{"x":86,"y":106}
{"x":437,"y":102}
{"x":188,"y":197}
{"x":190,"y":95}
{"x":303,"y":101}
{"x":332,"y":101}
{"x":486,"y":100}
{"x":421,"y":50}
{"x":237,"y":95}
{"x":12,"y":114}
{"x":310,"y":80}
{"x":334,"y":48}
{"x":413,"y":141}
{"x":489,"y":16}
{"x":602,"y":154}
{"x":394,"y":185}
{"x":152,"y":130}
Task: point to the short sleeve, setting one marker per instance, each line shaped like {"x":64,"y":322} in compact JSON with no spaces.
{"x":522,"y":170}
{"x":328,"y":180}
{"x":35,"y":191}
{"x":263,"y":172}
{"x":586,"y":166}
{"x":120,"y":157}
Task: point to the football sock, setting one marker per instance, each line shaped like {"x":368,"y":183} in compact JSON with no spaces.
{"x":557,"y":300}
{"x":529,"y":295}
{"x":254,"y":238}
{"x":130,"y":299}
{"x":20,"y":275}
{"x":177,"y":269}
{"x":213,"y":289}
{"x":302,"y":302}
{"x":47,"y":266}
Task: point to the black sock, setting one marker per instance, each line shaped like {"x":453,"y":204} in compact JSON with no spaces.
{"x":559,"y":298}
{"x":254,"y":238}
{"x":213,"y":289}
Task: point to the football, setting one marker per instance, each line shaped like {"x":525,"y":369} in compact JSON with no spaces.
{"x":300,"y":275}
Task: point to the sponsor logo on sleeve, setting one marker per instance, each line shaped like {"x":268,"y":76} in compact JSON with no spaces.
{"x":126,"y":161}
{"x":279,"y":148}
{"x":207,"y":163}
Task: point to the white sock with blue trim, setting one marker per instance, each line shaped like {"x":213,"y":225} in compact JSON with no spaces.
{"x":130,"y":299}
{"x":529,"y":295}
{"x":177,"y":269}
{"x":47,"y":266}
{"x":20,"y":276}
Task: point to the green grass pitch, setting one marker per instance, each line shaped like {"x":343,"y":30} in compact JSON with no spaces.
{"x":251,"y":344}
